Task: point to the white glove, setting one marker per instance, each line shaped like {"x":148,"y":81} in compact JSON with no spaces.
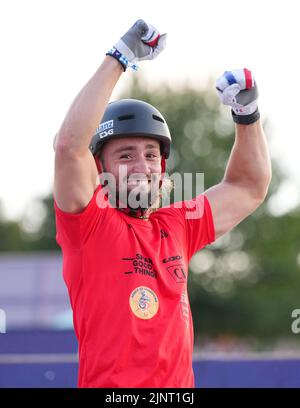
{"x":141,"y":42}
{"x":238,"y":89}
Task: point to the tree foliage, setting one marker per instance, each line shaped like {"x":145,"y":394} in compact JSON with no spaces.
{"x":245,"y":284}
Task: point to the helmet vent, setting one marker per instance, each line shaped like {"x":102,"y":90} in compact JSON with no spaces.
{"x":158,"y":118}
{"x":126,"y":117}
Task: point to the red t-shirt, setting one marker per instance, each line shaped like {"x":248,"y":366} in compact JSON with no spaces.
{"x":127,"y":281}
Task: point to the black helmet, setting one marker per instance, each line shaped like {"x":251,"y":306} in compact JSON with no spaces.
{"x":131,"y":117}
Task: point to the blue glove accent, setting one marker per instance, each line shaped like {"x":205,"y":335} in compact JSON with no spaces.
{"x":230,"y":78}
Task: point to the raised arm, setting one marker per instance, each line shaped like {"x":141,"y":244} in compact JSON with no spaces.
{"x":75,"y":170}
{"x":248,"y":172}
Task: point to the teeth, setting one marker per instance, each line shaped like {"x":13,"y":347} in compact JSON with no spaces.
{"x":135,"y":182}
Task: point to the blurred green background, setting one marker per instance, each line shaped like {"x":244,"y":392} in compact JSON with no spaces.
{"x":244,"y":287}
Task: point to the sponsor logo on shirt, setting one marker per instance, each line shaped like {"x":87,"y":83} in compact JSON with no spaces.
{"x":141,"y":265}
{"x":184,"y":305}
{"x":143,"y":302}
{"x":163,"y":234}
{"x":177,"y":272}
{"x":172,"y":258}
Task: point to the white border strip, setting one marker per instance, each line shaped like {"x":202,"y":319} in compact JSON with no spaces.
{"x":38,"y":358}
{"x":207,"y":356}
{"x":244,"y":356}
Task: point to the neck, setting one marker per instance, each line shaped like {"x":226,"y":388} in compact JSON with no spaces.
{"x":139,"y":212}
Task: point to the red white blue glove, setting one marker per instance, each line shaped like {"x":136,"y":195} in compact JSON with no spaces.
{"x":238,"y":89}
{"x":141,"y":42}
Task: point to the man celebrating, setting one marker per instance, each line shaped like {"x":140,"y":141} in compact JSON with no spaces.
{"x":125,"y":260}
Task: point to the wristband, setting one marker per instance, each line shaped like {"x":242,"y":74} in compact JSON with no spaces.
{"x":246,"y":119}
{"x":113,"y":52}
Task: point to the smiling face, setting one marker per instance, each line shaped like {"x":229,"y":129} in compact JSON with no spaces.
{"x":135,"y":162}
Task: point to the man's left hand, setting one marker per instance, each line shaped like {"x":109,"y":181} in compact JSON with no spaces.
{"x":238,"y":89}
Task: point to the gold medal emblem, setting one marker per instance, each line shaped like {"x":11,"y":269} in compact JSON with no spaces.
{"x":143,"y":302}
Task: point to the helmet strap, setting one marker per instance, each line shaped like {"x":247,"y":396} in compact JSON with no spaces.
{"x":98,"y":164}
{"x":163,"y":169}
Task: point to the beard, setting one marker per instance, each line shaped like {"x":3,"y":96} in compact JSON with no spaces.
{"x":138,"y":194}
{"x":137,"y":199}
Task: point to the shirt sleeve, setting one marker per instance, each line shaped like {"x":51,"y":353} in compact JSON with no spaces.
{"x":73,"y":230}
{"x":199,"y":224}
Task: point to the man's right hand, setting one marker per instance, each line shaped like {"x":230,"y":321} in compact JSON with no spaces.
{"x":141,"y":42}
